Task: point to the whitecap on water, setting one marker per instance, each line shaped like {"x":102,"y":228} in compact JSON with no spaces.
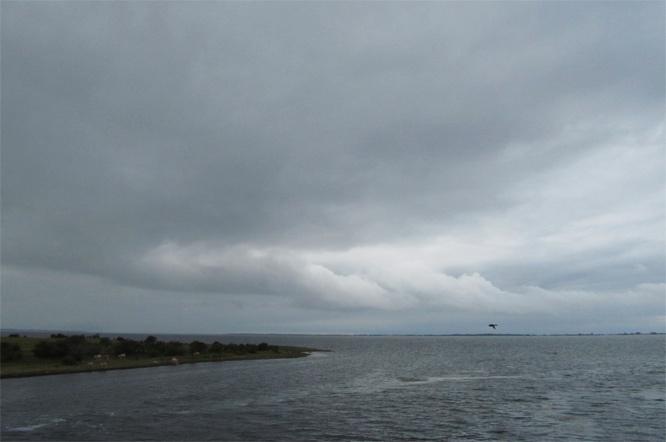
{"x":654,"y":395}
{"x":412,"y":380}
{"x":429,"y":380}
{"x":33,"y":427}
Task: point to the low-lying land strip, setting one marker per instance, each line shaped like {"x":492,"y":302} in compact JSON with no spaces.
{"x":60,"y":354}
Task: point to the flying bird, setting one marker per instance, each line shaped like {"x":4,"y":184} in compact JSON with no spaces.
{"x":494,"y":326}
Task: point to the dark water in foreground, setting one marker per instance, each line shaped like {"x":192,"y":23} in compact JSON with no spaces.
{"x":386,"y":388}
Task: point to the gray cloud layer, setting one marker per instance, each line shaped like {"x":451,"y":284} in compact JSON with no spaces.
{"x":367,"y":158}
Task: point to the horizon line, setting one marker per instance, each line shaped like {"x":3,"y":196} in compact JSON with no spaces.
{"x":29,"y":330}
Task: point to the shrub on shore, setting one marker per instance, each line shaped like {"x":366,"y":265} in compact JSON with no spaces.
{"x":10,"y":352}
{"x":75,"y":347}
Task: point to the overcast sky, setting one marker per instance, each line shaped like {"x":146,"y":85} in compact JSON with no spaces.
{"x":333,"y":167}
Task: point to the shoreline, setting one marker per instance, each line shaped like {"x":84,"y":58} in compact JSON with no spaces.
{"x":60,"y":354}
{"x":77,"y":370}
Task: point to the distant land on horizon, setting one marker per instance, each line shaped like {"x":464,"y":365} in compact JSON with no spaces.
{"x":46,"y":333}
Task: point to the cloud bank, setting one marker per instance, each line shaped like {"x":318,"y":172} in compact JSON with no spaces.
{"x":333,"y":167}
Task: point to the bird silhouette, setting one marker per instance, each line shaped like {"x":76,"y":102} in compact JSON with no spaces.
{"x":494,"y":326}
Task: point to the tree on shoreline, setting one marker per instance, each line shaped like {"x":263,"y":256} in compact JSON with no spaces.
{"x":198,"y":347}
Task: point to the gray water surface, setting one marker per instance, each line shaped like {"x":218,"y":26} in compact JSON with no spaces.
{"x":383,"y":388}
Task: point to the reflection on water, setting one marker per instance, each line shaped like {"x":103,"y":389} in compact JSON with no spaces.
{"x":601,"y":388}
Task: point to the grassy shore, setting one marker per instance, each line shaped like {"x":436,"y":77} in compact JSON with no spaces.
{"x":31,"y":365}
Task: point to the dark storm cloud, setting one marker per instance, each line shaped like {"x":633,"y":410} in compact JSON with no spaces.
{"x":228,"y":147}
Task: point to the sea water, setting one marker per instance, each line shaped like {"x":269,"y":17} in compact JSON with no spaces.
{"x":367,"y":388}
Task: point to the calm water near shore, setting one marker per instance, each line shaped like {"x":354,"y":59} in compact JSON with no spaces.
{"x":370,"y":388}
